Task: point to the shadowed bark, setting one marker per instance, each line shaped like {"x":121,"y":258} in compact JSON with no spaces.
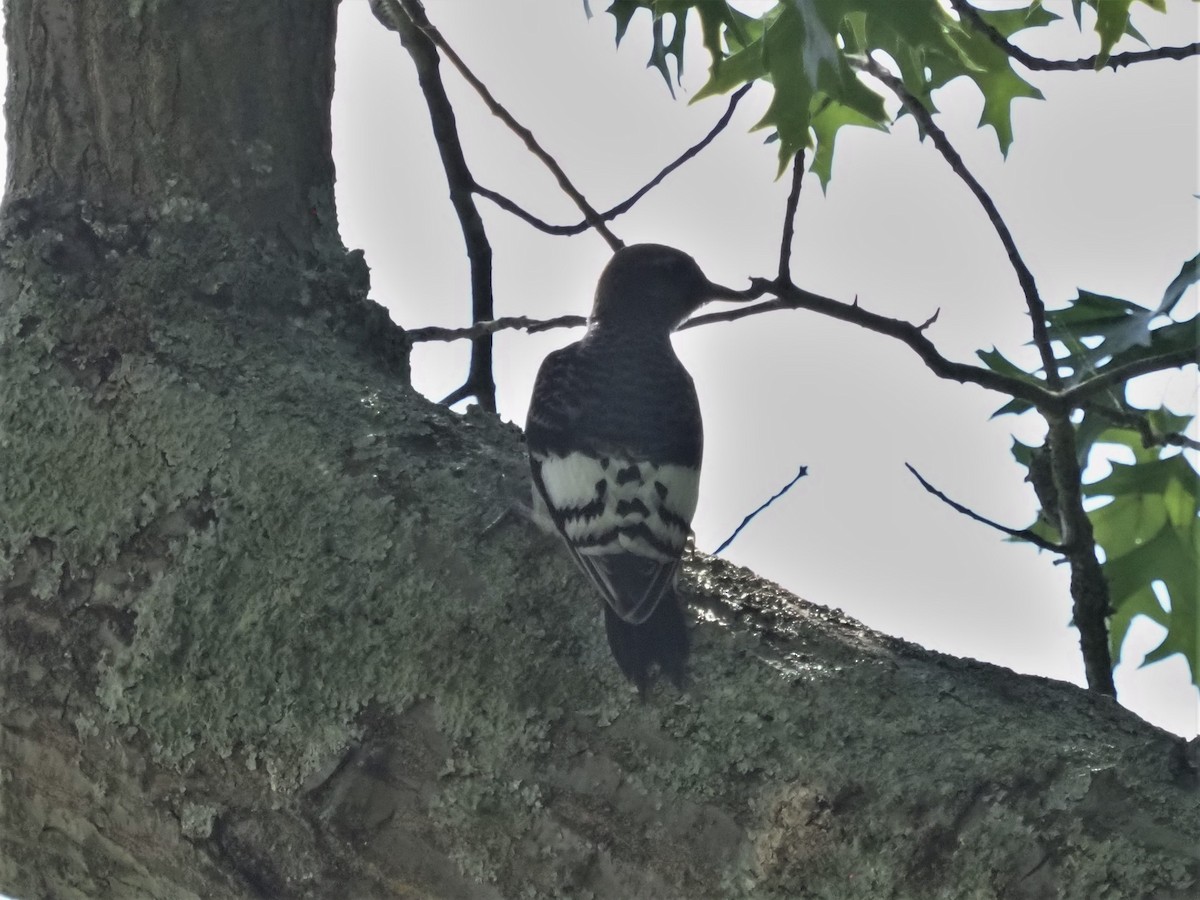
{"x":142,"y":104}
{"x":256,"y":641}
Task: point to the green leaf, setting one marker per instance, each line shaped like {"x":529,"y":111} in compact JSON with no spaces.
{"x":1188,"y":275}
{"x":1141,"y":603}
{"x":745,"y":65}
{"x":660,"y":50}
{"x":1000,"y":85}
{"x":1153,"y":477}
{"x":789,"y":109}
{"x":1171,"y":339}
{"x":717,"y":16}
{"x":1112,"y":20}
{"x":1123,"y":329}
{"x":1112,"y":23}
{"x":622,"y":11}
{"x":1178,"y":559}
{"x":996,"y":361}
{"x":1009,"y":21}
{"x":803,"y":49}
{"x":825,"y":125}
{"x":1150,"y":533}
{"x":1118,"y":323}
{"x":819,"y":51}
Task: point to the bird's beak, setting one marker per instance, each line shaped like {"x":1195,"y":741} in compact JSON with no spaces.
{"x":720,"y":292}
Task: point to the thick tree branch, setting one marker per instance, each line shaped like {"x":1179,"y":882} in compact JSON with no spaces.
{"x":1023,"y":534}
{"x":405,"y":17}
{"x":970,"y":14}
{"x":624,"y":206}
{"x":1090,"y":598}
{"x":593,"y":218}
{"x":1033,"y":300}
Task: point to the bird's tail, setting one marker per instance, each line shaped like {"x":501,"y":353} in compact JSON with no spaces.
{"x":662,"y":639}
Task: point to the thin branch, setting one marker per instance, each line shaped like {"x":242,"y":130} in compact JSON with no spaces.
{"x":506,"y":323}
{"x":789,"y":296}
{"x":1141,"y":424}
{"x":742,"y":312}
{"x":1023,"y":534}
{"x":407,"y":18}
{"x":1074,"y":396}
{"x":511,"y":206}
{"x":1033,"y":300}
{"x":789,"y":218}
{"x":970,"y":14}
{"x":624,"y":206}
{"x":460,"y":393}
{"x":750,"y":518}
{"x":594,"y":219}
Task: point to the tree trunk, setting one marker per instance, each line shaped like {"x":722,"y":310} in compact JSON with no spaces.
{"x":258,"y":643}
{"x":139,"y":106}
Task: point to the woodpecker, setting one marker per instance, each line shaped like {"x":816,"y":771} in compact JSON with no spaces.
{"x":615,"y":442}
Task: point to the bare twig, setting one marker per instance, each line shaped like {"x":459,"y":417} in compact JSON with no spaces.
{"x":742,"y":312}
{"x":971,"y":15}
{"x":507,"y":323}
{"x":789,"y":218}
{"x":407,"y":17}
{"x":1033,"y":300}
{"x":1141,"y":424}
{"x":594,"y":219}
{"x":624,"y":206}
{"x":511,"y":206}
{"x":750,"y":518}
{"x":1023,"y":534}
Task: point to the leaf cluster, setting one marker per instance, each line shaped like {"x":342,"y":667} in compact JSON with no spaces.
{"x":1149,"y":523}
{"x":807,"y":51}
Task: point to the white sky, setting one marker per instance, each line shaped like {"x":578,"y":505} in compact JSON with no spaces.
{"x":1097,"y":190}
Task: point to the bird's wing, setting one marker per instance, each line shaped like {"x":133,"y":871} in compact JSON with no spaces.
{"x":625,"y":522}
{"x":624,"y":515}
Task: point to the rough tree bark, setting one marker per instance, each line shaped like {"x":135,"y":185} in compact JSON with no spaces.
{"x":257,"y":643}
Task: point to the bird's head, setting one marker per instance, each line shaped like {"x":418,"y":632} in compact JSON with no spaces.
{"x":653,"y":286}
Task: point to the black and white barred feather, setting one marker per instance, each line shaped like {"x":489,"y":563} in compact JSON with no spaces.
{"x":615,"y":444}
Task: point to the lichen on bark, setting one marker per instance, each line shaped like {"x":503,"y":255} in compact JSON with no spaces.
{"x":238,"y":544}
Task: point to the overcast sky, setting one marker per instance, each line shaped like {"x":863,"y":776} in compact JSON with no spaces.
{"x":1097,"y":189}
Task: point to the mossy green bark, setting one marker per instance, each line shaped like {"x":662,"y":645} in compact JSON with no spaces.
{"x":247,"y":568}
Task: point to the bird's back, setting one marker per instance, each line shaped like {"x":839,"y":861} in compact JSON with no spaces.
{"x":615,"y":443}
